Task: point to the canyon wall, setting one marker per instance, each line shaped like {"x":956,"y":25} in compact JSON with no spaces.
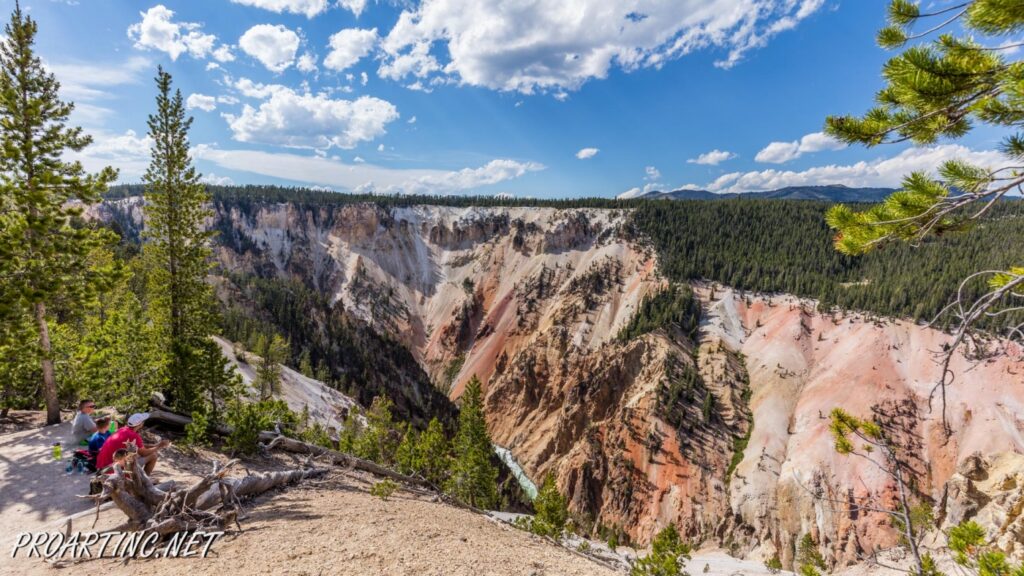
{"x":645,"y":431}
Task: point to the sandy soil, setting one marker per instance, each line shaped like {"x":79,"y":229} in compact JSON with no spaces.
{"x":328,"y":526}
{"x":335,"y":526}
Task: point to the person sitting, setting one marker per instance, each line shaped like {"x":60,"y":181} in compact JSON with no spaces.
{"x":82,"y":427}
{"x":100,"y":436}
{"x":147,"y":455}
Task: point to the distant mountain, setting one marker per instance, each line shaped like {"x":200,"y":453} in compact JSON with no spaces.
{"x":833,"y":193}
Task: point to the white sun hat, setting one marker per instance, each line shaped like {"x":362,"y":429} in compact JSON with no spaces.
{"x":137,"y":418}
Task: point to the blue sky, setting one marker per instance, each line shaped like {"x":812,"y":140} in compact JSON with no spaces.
{"x":549,"y":98}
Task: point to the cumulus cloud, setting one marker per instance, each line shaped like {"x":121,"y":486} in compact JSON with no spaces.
{"x":251,"y":89}
{"x":212,"y":178}
{"x":362,"y":176}
{"x":780,"y":152}
{"x":315,"y":121}
{"x":159,"y":31}
{"x":354,"y":6}
{"x":202,"y":102}
{"x":349,"y":46}
{"x":306,"y":63}
{"x":712,"y":158}
{"x":126,"y":151}
{"x":308,"y":8}
{"x":631,"y":193}
{"x":881,"y":172}
{"x":586,"y":153}
{"x":273,"y":45}
{"x":557,"y":45}
{"x":652,"y":173}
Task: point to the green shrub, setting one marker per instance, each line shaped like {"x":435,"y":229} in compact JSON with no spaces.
{"x":667,"y":558}
{"x":384,"y":489}
{"x":197,"y":432}
{"x":551,"y":508}
{"x":248,"y":419}
{"x":773,"y":564}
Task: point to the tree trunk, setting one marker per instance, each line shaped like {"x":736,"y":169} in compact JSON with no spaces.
{"x":272,"y":440}
{"x":49,"y":382}
{"x":166,"y":512}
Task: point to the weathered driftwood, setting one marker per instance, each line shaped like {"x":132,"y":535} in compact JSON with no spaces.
{"x":165,"y":512}
{"x":164,"y":416}
{"x":273,"y":440}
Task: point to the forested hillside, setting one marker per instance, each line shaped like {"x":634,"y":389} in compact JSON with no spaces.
{"x":754,"y":244}
{"x":785,"y":246}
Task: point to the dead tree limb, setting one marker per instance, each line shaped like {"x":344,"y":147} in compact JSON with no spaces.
{"x":166,"y":512}
{"x":272,"y":440}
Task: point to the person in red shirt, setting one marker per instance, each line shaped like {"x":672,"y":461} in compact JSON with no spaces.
{"x":130,"y":433}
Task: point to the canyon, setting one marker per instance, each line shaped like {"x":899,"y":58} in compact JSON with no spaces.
{"x":723,"y":431}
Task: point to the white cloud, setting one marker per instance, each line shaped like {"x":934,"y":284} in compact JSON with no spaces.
{"x":306,"y":63}
{"x":412,"y":120}
{"x":556,"y":45}
{"x":354,"y":6}
{"x":363,"y":78}
{"x":229,"y":100}
{"x":158,"y":31}
{"x":202,"y":102}
{"x":317,"y":170}
{"x":86,"y":83}
{"x":223,"y":54}
{"x":631,"y":193}
{"x":585,"y":153}
{"x":212,"y":178}
{"x":308,"y":8}
{"x":349,"y":46}
{"x":780,"y":152}
{"x":316,"y":121}
{"x":881,"y":172}
{"x":712,"y":158}
{"x":273,"y":45}
{"x":128,"y":152}
{"x":652,"y":173}
{"x":417,"y":62}
{"x":380,"y":147}
{"x":251,"y":89}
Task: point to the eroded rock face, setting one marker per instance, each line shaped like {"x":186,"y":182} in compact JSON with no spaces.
{"x":802,"y":365}
{"x":531,"y":301}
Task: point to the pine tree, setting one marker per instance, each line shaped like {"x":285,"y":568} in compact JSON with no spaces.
{"x":121,"y":359}
{"x":406,"y":458}
{"x":552,"y":511}
{"x":272,"y":351}
{"x":379,"y":440}
{"x":433,"y":452}
{"x":939,"y":89}
{"x":305,"y":364}
{"x":177,"y":246}
{"x":667,"y":558}
{"x":474,"y":478}
{"x":43,"y":247}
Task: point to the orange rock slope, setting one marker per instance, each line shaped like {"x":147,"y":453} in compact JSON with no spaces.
{"x":643,"y":433}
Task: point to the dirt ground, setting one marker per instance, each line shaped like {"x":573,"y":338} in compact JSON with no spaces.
{"x":327,"y":526}
{"x":331,"y":525}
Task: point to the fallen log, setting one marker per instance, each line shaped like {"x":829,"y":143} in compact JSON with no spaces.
{"x":164,"y":512}
{"x":273,"y":440}
{"x":180,"y":421}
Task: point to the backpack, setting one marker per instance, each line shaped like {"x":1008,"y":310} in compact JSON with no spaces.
{"x":85,"y":460}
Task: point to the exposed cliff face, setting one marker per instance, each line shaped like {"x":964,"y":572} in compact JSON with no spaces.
{"x":641,"y":433}
{"x":802,"y":365}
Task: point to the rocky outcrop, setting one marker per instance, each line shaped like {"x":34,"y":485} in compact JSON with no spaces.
{"x":725,"y":435}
